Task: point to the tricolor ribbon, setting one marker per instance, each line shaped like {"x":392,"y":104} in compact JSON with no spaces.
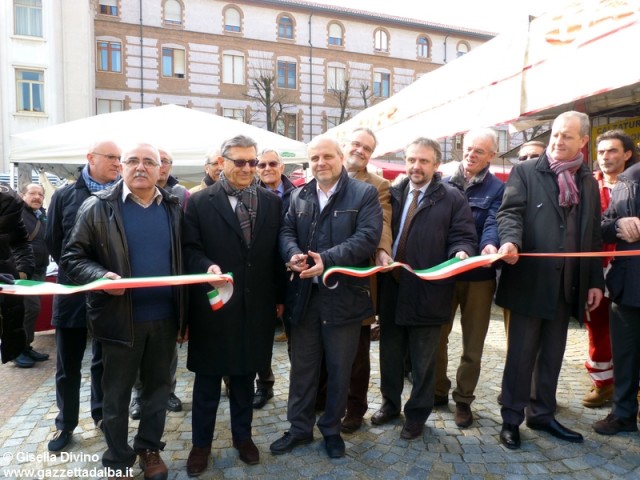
{"x":29,"y":287}
{"x":455,"y":266}
{"x":219,"y":296}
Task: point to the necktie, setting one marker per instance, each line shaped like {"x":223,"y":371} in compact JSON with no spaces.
{"x":275,"y":190}
{"x":402,"y":243}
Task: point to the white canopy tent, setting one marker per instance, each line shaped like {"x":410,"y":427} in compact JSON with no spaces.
{"x":557,"y":62}
{"x":187,"y":134}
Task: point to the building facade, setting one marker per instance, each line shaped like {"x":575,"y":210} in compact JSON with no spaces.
{"x":295,"y":67}
{"x":307,"y":64}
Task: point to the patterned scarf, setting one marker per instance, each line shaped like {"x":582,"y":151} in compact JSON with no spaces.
{"x":565,"y":171}
{"x":247,"y":206}
{"x":94,"y":186}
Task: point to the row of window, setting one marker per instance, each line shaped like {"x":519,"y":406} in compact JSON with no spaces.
{"x":109,"y":59}
{"x":286,"y":27}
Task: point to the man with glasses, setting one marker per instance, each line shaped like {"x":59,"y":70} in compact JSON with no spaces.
{"x":170,"y":184}
{"x":211,"y":171}
{"x":271,"y":173}
{"x":132,"y":230}
{"x":474,"y":290}
{"x":531,"y":150}
{"x":69,"y":311}
{"x":232,"y":227}
{"x":358,"y":148}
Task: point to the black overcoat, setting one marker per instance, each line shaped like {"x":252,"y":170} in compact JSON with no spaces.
{"x":238,"y":338}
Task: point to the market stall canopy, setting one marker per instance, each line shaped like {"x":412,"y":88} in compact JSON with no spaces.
{"x":557,"y":62}
{"x":186,"y":133}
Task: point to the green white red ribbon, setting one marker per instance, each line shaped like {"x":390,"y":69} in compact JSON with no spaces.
{"x":29,"y":287}
{"x":455,"y":266}
{"x":219,"y":296}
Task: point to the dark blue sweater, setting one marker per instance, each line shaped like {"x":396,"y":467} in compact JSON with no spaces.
{"x":149,"y":242}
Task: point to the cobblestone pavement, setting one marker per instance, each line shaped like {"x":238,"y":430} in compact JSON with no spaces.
{"x":445,"y":451}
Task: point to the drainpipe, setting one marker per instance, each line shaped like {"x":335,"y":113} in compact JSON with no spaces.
{"x":141,"y":61}
{"x":311,"y":80}
{"x":445,"y":48}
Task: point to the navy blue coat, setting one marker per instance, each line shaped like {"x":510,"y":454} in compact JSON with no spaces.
{"x":345,"y":233}
{"x":442,"y":226}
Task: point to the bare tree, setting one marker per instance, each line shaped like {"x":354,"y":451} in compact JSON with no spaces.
{"x":533,"y":132}
{"x":366,"y":94}
{"x":342,"y":94}
{"x":263,"y":89}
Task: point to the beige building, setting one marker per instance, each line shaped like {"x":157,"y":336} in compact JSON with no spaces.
{"x":222,"y":57}
{"x":61,"y":60}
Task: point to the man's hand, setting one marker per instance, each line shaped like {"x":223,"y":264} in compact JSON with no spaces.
{"x":279,"y":310}
{"x":183,"y":338}
{"x":511,"y":250}
{"x":489,"y":250}
{"x":628,"y":229}
{"x":316,"y":270}
{"x":383,"y":258}
{"x":594,"y":297}
{"x":462,"y":255}
{"x":298,"y":263}
{"x":113,"y":276}
{"x":215,"y":269}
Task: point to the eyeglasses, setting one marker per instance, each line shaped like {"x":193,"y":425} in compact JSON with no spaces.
{"x":522,"y":158}
{"x":111,"y":158}
{"x":166,"y":161}
{"x":366,"y":148}
{"x":241,"y":163}
{"x":146,"y":162}
{"x":272,"y":164}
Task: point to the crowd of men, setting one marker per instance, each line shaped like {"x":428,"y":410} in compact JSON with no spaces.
{"x":126,"y":216}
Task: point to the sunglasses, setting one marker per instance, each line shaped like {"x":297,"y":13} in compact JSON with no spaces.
{"x":522,"y":158}
{"x":241,"y":163}
{"x":272,"y":164}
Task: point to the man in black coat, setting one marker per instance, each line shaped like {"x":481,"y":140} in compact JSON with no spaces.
{"x":551,"y":205}
{"x":431,"y":223}
{"x":231,"y":226}
{"x":69,"y":311}
{"x":621,"y":224}
{"x":16,"y":261}
{"x":34,"y":218}
{"x":132,"y":230}
{"x":333,"y":220}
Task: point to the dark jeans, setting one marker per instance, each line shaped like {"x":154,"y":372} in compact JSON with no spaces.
{"x":151,"y":354}
{"x":71,"y":344}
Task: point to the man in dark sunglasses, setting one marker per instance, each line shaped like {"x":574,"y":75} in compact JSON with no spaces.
{"x":271,"y":173}
{"x":531,"y":150}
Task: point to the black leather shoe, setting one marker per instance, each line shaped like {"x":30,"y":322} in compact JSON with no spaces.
{"x":288,"y":442}
{"x":558,"y":430}
{"x":24,"y":361}
{"x":334,"y":445}
{"x":36,"y":356}
{"x":60,"y":440}
{"x":510,"y":436}
{"x":174,"y":404}
{"x":261,"y":396}
{"x":382,"y":416}
{"x":134,"y":408}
